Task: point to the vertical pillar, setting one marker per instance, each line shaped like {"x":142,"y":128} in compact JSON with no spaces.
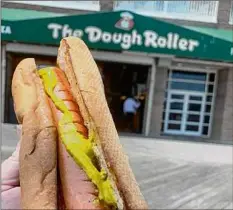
{"x":227,"y":125}
{"x":222,"y":127}
{"x":150,"y":99}
{"x":106,"y":5}
{"x":3,"y":80}
{"x":159,"y":96}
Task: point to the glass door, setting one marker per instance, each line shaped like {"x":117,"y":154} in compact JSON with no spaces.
{"x":175,"y":112}
{"x":194,"y":110}
{"x":184,"y":113}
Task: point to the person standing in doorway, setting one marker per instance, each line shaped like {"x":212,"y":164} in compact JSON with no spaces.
{"x":130,"y":108}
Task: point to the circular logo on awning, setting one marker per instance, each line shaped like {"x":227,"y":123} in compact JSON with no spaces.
{"x":126,"y":22}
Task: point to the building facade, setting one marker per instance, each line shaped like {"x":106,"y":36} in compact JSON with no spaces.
{"x":218,"y":120}
{"x":186,"y":98}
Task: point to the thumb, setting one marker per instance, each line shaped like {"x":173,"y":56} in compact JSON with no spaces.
{"x":10,"y":168}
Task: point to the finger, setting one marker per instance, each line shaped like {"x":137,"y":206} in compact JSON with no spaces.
{"x":11,"y":199}
{"x":10,"y":169}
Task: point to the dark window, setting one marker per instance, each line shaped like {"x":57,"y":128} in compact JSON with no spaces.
{"x":207,"y":108}
{"x":210,"y":88}
{"x":192,"y":128}
{"x":174,"y":126}
{"x":175,"y":96}
{"x":176,"y":105}
{"x":162,"y":127}
{"x":164,"y":104}
{"x":195,"y":107}
{"x":205,"y":130}
{"x":189,"y":75}
{"x":195,"y":98}
{"x":211,"y":77}
{"x":193,"y":118}
{"x":175,"y":116}
{"x":164,"y":115}
{"x":206,"y":119}
{"x":209,"y":98}
{"x":187,"y":86}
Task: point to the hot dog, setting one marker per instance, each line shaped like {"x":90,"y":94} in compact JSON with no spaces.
{"x":65,"y":108}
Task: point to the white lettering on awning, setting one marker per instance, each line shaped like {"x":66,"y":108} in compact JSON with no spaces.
{"x":63,"y":31}
{"x":171,"y":41}
{"x":149,"y":38}
{"x":5,"y":29}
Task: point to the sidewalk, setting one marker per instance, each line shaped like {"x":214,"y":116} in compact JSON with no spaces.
{"x":181,"y":175}
{"x":173,"y":174}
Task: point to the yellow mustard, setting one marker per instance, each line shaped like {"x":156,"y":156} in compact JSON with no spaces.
{"x":80,"y":148}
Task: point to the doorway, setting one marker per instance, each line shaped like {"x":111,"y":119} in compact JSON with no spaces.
{"x":121,"y":80}
{"x":185,"y":112}
{"x":188,"y":105}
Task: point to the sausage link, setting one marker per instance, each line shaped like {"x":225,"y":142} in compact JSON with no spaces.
{"x":78,"y":191}
{"x":62,"y":90}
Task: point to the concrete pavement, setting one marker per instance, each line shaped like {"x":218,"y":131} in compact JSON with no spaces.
{"x":181,"y":175}
{"x":173,"y":174}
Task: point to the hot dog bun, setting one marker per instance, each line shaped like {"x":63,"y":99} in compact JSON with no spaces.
{"x":38,"y":161}
{"x":86,"y":88}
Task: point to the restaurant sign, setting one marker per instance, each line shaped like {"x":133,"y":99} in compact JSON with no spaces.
{"x":127,"y":40}
{"x":119,"y":31}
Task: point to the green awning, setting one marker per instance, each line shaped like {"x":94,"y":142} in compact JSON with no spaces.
{"x":24,"y":14}
{"x":118,"y":31}
{"x":223,"y":34}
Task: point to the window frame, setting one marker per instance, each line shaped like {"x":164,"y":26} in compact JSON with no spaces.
{"x":81,"y":5}
{"x":166,"y":15}
{"x":231,"y":14}
{"x":166,"y":112}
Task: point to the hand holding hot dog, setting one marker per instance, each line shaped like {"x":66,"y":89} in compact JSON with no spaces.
{"x":68,"y":129}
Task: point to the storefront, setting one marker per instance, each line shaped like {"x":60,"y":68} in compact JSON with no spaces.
{"x":175,"y":71}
